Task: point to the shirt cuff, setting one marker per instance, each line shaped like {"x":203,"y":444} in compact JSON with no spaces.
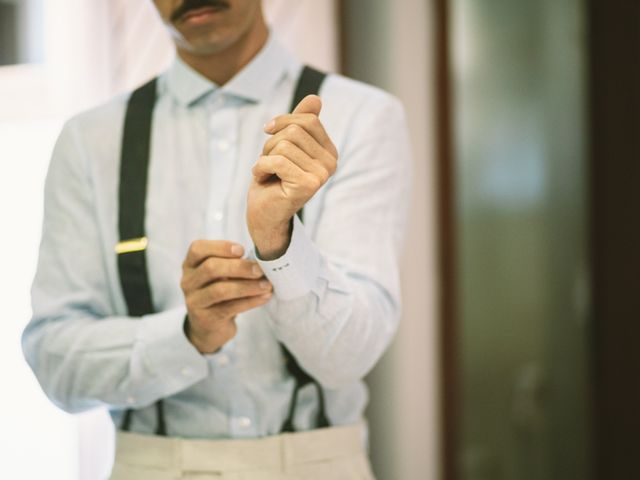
{"x":294,"y":274}
{"x":169,"y":354}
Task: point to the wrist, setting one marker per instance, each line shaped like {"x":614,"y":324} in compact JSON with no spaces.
{"x":272,"y":242}
{"x":205,"y":342}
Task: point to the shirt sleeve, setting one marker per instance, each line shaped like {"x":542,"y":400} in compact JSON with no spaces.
{"x":294,"y":274}
{"x":82,"y":354}
{"x":336,"y":300}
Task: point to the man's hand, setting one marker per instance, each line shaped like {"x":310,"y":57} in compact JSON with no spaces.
{"x":295,"y":162}
{"x":217,"y":285}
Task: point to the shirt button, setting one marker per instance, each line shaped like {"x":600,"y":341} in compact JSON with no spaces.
{"x":186,"y":371}
{"x":131,"y":400}
{"x":244,"y":422}
{"x":217,"y":216}
{"x":223,"y":359}
{"x":223,"y":145}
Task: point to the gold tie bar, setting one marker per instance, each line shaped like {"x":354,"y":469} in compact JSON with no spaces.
{"x":132,"y":245}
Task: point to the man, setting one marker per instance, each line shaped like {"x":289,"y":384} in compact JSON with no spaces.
{"x":229,"y":339}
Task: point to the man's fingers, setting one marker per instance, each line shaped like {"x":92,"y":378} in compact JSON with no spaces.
{"x":305,"y":115}
{"x":309,"y":104}
{"x":308,"y":122}
{"x":298,"y":136}
{"x":199,"y":250}
{"x":269,"y":165}
{"x":226,"y":290}
{"x":301,"y":159}
{"x":215,"y":268}
{"x":241,"y":305}
{"x":220,"y":319}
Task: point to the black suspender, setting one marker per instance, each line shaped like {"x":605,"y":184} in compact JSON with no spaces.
{"x":132,"y":263}
{"x":309,"y":83}
{"x":132,"y":195}
{"x":134,"y":163}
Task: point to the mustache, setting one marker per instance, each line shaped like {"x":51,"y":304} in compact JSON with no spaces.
{"x":188,"y":5}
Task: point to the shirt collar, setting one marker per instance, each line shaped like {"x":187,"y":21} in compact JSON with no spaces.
{"x":254,"y":82}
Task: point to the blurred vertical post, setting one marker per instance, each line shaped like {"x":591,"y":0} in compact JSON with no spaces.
{"x":518,"y":110}
{"x":391,"y":44}
{"x":614,"y":40}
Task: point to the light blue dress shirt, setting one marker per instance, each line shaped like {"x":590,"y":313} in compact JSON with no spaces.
{"x":337,"y":295}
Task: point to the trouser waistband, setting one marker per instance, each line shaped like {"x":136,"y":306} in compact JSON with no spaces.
{"x":276,"y":452}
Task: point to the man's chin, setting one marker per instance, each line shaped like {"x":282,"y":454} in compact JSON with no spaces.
{"x":203,"y":44}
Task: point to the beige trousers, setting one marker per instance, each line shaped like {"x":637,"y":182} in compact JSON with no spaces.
{"x":335,"y":453}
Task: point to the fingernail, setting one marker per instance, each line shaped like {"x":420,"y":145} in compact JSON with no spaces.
{"x":266,"y":295}
{"x":269,"y":126}
{"x":237,"y":250}
{"x":264,"y":284}
{"x":256,"y":270}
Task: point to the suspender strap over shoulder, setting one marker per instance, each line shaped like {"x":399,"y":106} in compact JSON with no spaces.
{"x":134,"y":168}
{"x":132,"y":196}
{"x":309,"y":83}
{"x":131,"y":250}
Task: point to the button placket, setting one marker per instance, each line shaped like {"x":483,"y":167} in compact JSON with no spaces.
{"x":222,"y":151}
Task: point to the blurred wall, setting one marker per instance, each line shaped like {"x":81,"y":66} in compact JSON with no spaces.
{"x":391,"y":44}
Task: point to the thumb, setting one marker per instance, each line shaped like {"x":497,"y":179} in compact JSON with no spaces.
{"x":309,"y":104}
